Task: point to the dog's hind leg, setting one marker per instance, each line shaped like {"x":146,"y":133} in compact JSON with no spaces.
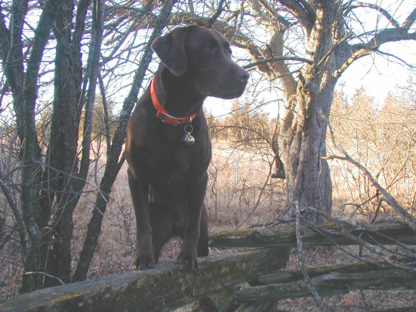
{"x":189,"y":250}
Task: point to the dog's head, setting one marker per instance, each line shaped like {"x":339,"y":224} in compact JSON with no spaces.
{"x":203,"y":56}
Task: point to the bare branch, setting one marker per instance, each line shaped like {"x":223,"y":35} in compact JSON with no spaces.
{"x":216,"y":14}
{"x":409,"y":20}
{"x":274,"y":13}
{"x":105,"y":109}
{"x":408,"y":218}
{"x":375,"y":7}
{"x":95,"y":51}
{"x":276,"y":59}
{"x":303,"y":11}
{"x":191,"y":8}
{"x":362,"y":49}
{"x":346,"y":233}
{"x":16,"y":213}
{"x":396,"y":57}
{"x":46,"y":274}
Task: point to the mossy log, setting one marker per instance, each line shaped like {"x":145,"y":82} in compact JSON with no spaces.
{"x":328,"y":281}
{"x":286,"y":236}
{"x":164,"y":288}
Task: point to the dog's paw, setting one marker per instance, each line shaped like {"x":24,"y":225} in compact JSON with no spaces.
{"x":143,"y":262}
{"x":188,"y":259}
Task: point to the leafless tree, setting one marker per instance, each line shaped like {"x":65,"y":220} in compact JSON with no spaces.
{"x":306,"y":46}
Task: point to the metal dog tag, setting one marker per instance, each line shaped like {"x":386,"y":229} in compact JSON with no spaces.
{"x":187,"y":138}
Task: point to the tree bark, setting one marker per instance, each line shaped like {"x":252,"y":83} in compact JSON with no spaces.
{"x":303,"y":135}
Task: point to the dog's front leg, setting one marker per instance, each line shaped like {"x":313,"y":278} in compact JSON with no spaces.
{"x":139,"y":189}
{"x":188,"y":254}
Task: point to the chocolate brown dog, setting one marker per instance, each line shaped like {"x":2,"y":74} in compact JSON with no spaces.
{"x":168,"y":149}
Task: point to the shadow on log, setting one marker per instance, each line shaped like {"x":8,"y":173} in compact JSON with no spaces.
{"x":164,"y":288}
{"x":286,"y":236}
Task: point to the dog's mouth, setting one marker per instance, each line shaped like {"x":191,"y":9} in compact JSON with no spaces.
{"x":223,"y":94}
{"x":204,"y":92}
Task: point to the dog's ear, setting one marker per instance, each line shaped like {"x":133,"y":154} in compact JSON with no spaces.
{"x":171,"y":50}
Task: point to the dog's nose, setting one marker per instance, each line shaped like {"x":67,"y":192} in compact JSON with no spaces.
{"x":243,"y":75}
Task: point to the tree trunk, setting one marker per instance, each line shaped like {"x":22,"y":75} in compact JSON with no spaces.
{"x":303,"y":144}
{"x":31,"y":156}
{"x":62,"y":152}
{"x":303,"y":135}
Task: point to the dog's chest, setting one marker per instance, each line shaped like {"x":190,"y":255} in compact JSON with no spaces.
{"x":169,"y":166}
{"x":170,"y":171}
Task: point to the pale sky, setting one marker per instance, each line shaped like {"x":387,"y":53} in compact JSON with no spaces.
{"x":384,"y":74}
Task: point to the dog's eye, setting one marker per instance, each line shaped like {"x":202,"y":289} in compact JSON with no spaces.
{"x":208,"y":49}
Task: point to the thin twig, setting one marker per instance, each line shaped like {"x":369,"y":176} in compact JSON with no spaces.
{"x":327,"y":233}
{"x":45,"y":274}
{"x":216,"y":14}
{"x":363,"y":298}
{"x":276,"y":59}
{"x":16,"y":213}
{"x":312,"y":289}
{"x":344,"y":232}
{"x":408,"y":218}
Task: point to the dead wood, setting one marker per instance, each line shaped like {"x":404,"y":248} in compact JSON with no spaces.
{"x":164,"y":288}
{"x":286,"y":236}
{"x":291,"y":276}
{"x":328,"y":281}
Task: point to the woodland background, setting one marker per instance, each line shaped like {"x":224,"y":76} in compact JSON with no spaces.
{"x":72,"y":71}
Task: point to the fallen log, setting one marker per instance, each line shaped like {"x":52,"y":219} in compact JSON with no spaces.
{"x":164,"y":288}
{"x":291,"y":276}
{"x":328,"y":281}
{"x":286,"y":236}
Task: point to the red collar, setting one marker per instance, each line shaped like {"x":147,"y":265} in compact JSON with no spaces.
{"x":163,"y":114}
